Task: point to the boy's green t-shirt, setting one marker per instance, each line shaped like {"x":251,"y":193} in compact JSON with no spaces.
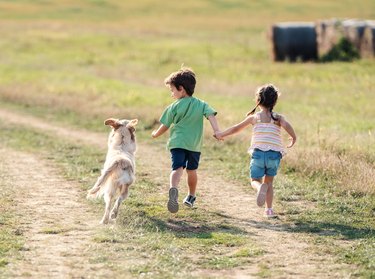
{"x":185,"y":119}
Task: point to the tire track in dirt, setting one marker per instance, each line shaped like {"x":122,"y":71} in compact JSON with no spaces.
{"x":57,"y":226}
{"x":287,"y":255}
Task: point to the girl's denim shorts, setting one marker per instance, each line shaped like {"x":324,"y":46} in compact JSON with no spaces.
{"x":264,"y":163}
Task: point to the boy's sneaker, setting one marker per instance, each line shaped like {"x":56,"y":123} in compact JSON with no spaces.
{"x":173,"y":200}
{"x":261,"y":195}
{"x":269,"y":213}
{"x":189,"y":200}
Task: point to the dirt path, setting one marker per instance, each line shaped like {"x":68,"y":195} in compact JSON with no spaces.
{"x":288,"y":254}
{"x":57,"y":226}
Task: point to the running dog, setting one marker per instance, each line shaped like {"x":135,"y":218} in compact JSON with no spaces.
{"x":118,"y":172}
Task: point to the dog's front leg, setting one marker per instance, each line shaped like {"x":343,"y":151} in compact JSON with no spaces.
{"x":123,"y":195}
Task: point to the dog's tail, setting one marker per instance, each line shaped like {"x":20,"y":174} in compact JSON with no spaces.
{"x":95,"y":192}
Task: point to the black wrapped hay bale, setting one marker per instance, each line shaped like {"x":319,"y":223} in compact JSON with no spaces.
{"x":293,"y":41}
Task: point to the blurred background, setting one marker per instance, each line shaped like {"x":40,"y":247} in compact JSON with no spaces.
{"x":80,"y":62}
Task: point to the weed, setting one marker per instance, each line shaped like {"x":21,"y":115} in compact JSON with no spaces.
{"x":344,"y":50}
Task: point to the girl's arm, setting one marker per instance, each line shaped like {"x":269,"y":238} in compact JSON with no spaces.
{"x":161,"y":130}
{"x":289,"y":129}
{"x":235,"y":128}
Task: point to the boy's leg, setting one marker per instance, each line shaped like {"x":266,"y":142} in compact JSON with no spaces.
{"x":174,"y":180}
{"x":192,"y":177}
{"x":175,"y":177}
{"x":192,"y":180}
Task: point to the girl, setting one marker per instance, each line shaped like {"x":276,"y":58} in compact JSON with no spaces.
{"x":266,"y":143}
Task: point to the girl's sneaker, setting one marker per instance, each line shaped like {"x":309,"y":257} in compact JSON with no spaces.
{"x":173,"y":200}
{"x":189,"y":200}
{"x":269,"y":213}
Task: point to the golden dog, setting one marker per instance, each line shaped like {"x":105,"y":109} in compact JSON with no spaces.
{"x":118,"y":172}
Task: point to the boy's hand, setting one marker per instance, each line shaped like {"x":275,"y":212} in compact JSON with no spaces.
{"x":161,"y":130}
{"x":153,"y":134}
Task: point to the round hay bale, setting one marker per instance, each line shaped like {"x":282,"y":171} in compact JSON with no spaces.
{"x":353,"y":30}
{"x":294,"y":40}
{"x":367,"y":48}
{"x":327,"y":35}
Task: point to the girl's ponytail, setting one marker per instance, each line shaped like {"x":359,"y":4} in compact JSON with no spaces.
{"x":274,"y":115}
{"x":253,"y":111}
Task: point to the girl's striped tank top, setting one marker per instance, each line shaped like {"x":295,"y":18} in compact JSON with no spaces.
{"x":266,"y":136}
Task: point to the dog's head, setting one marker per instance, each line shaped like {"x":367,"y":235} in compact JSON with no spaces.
{"x":123,"y":132}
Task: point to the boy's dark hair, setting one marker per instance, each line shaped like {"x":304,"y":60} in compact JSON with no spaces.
{"x":266,"y":96}
{"x":184,"y":77}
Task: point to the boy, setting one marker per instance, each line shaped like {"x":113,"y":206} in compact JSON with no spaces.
{"x":185,"y":118}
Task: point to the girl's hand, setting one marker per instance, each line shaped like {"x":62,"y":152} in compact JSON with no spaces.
{"x":292,"y":142}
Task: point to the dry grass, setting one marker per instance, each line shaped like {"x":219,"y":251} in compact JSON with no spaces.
{"x":351,"y":172}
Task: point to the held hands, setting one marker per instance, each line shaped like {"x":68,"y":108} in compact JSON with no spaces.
{"x":218,"y":135}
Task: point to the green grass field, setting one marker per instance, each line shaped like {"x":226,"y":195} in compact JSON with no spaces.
{"x":79,"y":62}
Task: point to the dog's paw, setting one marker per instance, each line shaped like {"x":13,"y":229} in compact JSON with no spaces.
{"x":91,"y":196}
{"x":113,"y":215}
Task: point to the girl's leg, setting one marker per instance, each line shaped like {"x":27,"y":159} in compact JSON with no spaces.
{"x":256,"y":183}
{"x":175,"y":177}
{"x":192,"y":180}
{"x":269,"y":196}
{"x":262,"y":189}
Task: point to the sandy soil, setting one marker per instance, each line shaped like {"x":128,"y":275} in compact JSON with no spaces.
{"x":289,"y":254}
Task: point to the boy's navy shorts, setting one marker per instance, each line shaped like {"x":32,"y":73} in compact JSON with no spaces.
{"x":184,"y":158}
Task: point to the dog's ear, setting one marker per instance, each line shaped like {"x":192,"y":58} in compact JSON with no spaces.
{"x":131,"y":125}
{"x":112,"y":122}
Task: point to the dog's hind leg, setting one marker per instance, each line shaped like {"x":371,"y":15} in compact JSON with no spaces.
{"x":108,"y":201}
{"x":123,"y":195}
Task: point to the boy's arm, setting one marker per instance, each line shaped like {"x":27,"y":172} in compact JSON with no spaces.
{"x":235,"y":128}
{"x":213,"y":123}
{"x":289,"y":129}
{"x":161,"y":130}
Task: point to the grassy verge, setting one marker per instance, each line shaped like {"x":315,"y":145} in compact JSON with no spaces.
{"x":163,"y":247}
{"x":342,"y":223}
{"x":11,"y":239}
